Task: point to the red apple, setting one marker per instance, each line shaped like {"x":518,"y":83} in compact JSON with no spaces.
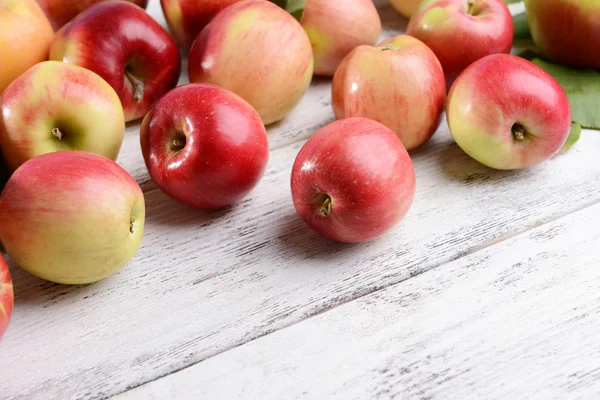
{"x":353,"y":180}
{"x":204,"y":146}
{"x":6,"y":296}
{"x":186,"y":18}
{"x":399,"y":83}
{"x":57,"y":106}
{"x":59,"y":12}
{"x":568,"y":31}
{"x":258,"y":51}
{"x":336,"y":27}
{"x":71,"y":217}
{"x":125,"y":46}
{"x":508,"y":113}
{"x":460,"y":32}
{"x":25,"y":36}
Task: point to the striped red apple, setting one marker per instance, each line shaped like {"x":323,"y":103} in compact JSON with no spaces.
{"x":508,"y":113}
{"x":259,"y":51}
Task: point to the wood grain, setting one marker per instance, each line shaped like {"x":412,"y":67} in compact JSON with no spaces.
{"x":517,"y":320}
{"x":203,"y":283}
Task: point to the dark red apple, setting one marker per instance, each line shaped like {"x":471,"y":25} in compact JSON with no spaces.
{"x":124,"y":45}
{"x":353,"y":180}
{"x":204,"y":146}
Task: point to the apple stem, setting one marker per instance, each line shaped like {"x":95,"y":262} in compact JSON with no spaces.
{"x":324,"y":210}
{"x":519,"y":131}
{"x":57,"y":133}
{"x":470,"y":6}
{"x":138,"y":85}
{"x":131,"y":221}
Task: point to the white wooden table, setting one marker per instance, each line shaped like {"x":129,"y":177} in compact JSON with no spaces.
{"x":489,"y":289}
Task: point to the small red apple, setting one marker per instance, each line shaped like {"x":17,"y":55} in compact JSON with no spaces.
{"x":127,"y":47}
{"x":258,"y":51}
{"x":399,"y":83}
{"x":462,"y":31}
{"x":336,"y":27}
{"x":353,"y":180}
{"x":204,"y":146}
{"x":59,"y":12}
{"x":508,"y":113}
{"x":6,"y":296}
{"x":186,"y":18}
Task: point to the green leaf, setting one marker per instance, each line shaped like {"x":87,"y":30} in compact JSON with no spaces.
{"x":582,"y":88}
{"x":574,"y":136}
{"x":294,"y":7}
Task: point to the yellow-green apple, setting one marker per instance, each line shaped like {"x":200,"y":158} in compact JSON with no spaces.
{"x":204,"y":146}
{"x":399,"y":83}
{"x":258,"y":51}
{"x":508,"y":113}
{"x":462,"y":31}
{"x":567,"y":31}
{"x":186,"y":18}
{"x":353,"y":180}
{"x":6,"y":296}
{"x":405,"y":7}
{"x":127,"y":47}
{"x":59,"y":12}
{"x":336,"y":27}
{"x":58,"y":106}
{"x":25,"y":36}
{"x":71,"y":217}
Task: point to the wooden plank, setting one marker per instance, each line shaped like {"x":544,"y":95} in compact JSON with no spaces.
{"x":517,"y":320}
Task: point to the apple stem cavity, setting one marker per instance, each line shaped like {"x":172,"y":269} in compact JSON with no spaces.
{"x":325,"y":206}
{"x":131,"y":222}
{"x":57,"y":133}
{"x":136,"y":84}
{"x":471,"y":8}
{"x":519,"y":132}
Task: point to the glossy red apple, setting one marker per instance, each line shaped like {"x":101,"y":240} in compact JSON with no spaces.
{"x":258,"y":51}
{"x":336,"y":27}
{"x":399,"y":83}
{"x":59,"y":12}
{"x":58,"y":106}
{"x":125,"y":46}
{"x":508,"y":113}
{"x":462,"y":31}
{"x":186,"y":18}
{"x":204,"y":146}
{"x":71,"y":217}
{"x":6,"y":296}
{"x":568,"y":31}
{"x":353,"y":180}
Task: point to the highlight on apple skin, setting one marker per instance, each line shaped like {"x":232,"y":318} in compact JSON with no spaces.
{"x":525,"y":123}
{"x":71,"y":217}
{"x":58,"y":106}
{"x":460,"y":32}
{"x":186,"y":18}
{"x":25,"y":37}
{"x":399,"y":83}
{"x":567,"y":31}
{"x":60,"y":12}
{"x":6,"y":296}
{"x":204,"y":146}
{"x":259,"y":51}
{"x":353,"y":180}
{"x":125,"y":46}
{"x":357,"y":22}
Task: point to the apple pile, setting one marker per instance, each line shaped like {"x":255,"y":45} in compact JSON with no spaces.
{"x":73,"y":73}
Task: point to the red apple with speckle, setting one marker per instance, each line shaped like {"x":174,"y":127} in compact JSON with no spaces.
{"x":59,"y":12}
{"x":124,"y":45}
{"x":258,"y":51}
{"x":353,"y":180}
{"x":186,"y":18}
{"x":508,"y":113}
{"x":204,"y":146}
{"x":6,"y":296}
{"x":462,"y":31}
{"x":399,"y":83}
